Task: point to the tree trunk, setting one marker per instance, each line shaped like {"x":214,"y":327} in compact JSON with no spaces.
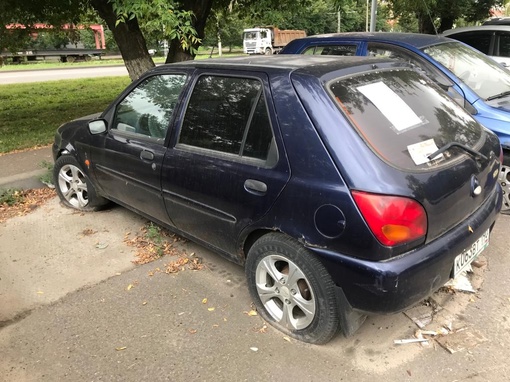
{"x":201,"y":9}
{"x":425,"y":24}
{"x":446,"y":23}
{"x":129,"y":38}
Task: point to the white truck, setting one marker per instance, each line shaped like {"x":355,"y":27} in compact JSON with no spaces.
{"x":268,"y":40}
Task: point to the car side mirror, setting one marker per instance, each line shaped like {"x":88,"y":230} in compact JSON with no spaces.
{"x":97,"y":127}
{"x":442,"y":83}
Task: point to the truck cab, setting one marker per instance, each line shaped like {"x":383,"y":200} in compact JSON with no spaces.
{"x":257,"y":41}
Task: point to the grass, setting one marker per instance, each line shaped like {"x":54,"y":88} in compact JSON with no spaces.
{"x":10,"y":196}
{"x":31,"y":113}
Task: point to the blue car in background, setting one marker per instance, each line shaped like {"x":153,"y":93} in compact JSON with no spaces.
{"x":475,"y":81}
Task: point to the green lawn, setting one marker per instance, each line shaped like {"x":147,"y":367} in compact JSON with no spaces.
{"x":31,"y":113}
{"x":51,"y":64}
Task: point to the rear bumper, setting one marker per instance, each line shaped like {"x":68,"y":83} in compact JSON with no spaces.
{"x":394,"y":285}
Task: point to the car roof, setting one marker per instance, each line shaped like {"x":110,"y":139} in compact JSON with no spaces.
{"x":289,"y":62}
{"x":497,"y":21}
{"x":416,"y":40}
{"x":477,"y":28}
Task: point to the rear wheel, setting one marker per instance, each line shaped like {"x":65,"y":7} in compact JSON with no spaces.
{"x":268,"y":52}
{"x":292,"y":290}
{"x":504,"y":180}
{"x":73,"y":186}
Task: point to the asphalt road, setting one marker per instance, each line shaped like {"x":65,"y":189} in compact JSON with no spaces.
{"x":24,"y":76}
{"x":75,"y":308}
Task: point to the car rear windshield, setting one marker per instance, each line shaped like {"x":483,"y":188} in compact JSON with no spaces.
{"x":404,"y":118}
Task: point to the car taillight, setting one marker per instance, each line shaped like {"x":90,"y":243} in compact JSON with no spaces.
{"x":394,"y":220}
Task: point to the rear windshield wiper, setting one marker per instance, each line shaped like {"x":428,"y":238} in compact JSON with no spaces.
{"x":500,"y":95}
{"x":446,"y":147}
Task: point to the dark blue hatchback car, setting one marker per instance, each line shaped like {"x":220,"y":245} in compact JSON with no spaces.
{"x":344,"y":186}
{"x":475,"y":81}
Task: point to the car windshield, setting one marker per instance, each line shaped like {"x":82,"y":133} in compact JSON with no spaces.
{"x":404,"y":118}
{"x":483,"y":75}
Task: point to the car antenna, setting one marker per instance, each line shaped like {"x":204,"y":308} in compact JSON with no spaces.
{"x":430,"y":17}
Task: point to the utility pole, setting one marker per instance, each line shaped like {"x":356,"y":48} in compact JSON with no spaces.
{"x":372,"y":15}
{"x":366,"y":26}
{"x":339,"y":19}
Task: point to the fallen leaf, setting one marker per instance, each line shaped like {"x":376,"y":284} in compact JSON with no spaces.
{"x":129,"y":287}
{"x":251,"y":313}
{"x":40,"y":292}
{"x":210,"y":309}
{"x":121,"y":348}
{"x":144,"y":303}
{"x":192,"y":331}
{"x":204,"y":301}
{"x":101,"y":245}
{"x":286,"y":338}
{"x":254,"y":349}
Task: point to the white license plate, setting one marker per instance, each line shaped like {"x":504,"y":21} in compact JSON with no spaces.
{"x":468,"y":255}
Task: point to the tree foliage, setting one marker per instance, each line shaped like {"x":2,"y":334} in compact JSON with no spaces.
{"x":435,"y":16}
{"x":160,"y":16}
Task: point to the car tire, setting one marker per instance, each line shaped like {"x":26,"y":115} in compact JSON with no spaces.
{"x":303,"y":305}
{"x":504,"y":181}
{"x":268,"y":52}
{"x":74,"y":187}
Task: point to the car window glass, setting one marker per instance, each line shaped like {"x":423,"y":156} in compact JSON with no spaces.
{"x":148,"y":108}
{"x":228,"y":115}
{"x":504,"y":45}
{"x":482,"y":74}
{"x":334,"y":50}
{"x":478,"y":40}
{"x":394,"y":110}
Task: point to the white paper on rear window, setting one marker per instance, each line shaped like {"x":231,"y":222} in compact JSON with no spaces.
{"x":400,"y":115}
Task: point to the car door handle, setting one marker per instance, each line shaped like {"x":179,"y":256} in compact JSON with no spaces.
{"x":255,"y":187}
{"x":146,"y":155}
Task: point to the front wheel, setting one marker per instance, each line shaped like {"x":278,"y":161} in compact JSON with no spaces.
{"x":292,"y":290}
{"x":504,"y":181}
{"x":73,"y":186}
{"x":268,"y":52}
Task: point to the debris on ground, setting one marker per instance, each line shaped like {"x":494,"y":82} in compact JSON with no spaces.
{"x":26,"y":202}
{"x":439,"y":318}
{"x":461,"y":339}
{"x":461,"y":283}
{"x":154,"y":242}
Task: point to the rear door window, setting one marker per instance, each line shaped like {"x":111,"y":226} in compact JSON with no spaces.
{"x":404,"y":118}
{"x":480,"y":40}
{"x":228,"y":116}
{"x":503,"y":48}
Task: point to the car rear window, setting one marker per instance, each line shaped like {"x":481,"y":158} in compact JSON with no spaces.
{"x":404,"y":118}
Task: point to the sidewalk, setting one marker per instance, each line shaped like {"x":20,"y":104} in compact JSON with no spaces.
{"x":23,"y":169}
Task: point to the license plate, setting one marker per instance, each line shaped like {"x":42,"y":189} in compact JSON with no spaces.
{"x":463,"y":260}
